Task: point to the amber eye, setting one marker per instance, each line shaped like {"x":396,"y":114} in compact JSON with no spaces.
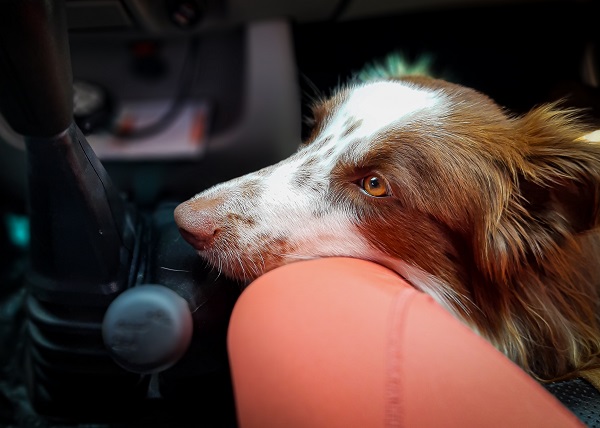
{"x":374,"y":185}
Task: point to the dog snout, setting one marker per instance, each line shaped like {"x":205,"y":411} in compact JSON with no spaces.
{"x":197,"y":224}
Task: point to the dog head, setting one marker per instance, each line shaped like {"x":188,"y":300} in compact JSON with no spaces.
{"x":396,"y":165}
{"x":431,"y":179}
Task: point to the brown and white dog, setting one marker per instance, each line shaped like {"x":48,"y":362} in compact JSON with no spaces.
{"x":493,"y":215}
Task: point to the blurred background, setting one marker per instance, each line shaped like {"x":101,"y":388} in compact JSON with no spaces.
{"x":177,"y":95}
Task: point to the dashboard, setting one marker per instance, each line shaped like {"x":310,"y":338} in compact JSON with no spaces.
{"x":177,"y":95}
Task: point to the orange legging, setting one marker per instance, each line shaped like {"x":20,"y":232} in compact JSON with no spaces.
{"x":341,"y":342}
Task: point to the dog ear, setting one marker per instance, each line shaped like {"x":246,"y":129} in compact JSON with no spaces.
{"x":562,"y":175}
{"x":554,"y":191}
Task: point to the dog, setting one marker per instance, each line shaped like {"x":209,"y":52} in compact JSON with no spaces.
{"x":493,"y":214}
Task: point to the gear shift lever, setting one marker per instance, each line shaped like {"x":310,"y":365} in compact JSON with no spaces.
{"x":82,"y":230}
{"x":35,"y":67}
{"x":95,"y":329}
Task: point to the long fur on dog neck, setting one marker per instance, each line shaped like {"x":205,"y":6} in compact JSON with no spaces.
{"x":529,"y":278}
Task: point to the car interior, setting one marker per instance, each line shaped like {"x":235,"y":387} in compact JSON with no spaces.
{"x":172,"y":97}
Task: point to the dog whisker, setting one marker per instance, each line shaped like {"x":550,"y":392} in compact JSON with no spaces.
{"x":173,"y":269}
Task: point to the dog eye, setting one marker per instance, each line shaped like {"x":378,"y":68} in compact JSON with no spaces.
{"x":375,"y":185}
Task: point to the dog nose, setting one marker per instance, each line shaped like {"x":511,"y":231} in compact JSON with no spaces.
{"x":196,"y":224}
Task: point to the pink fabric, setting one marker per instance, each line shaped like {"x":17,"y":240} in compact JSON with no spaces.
{"x":340,"y":342}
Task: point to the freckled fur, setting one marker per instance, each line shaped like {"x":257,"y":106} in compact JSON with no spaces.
{"x":494,"y":215}
{"x":351,"y":125}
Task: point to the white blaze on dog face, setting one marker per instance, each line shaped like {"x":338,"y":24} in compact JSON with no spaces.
{"x":369,"y":110}
{"x":295,"y":209}
{"x":380,"y":105}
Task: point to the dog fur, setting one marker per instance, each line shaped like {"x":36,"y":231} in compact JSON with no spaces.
{"x":494,"y":215}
